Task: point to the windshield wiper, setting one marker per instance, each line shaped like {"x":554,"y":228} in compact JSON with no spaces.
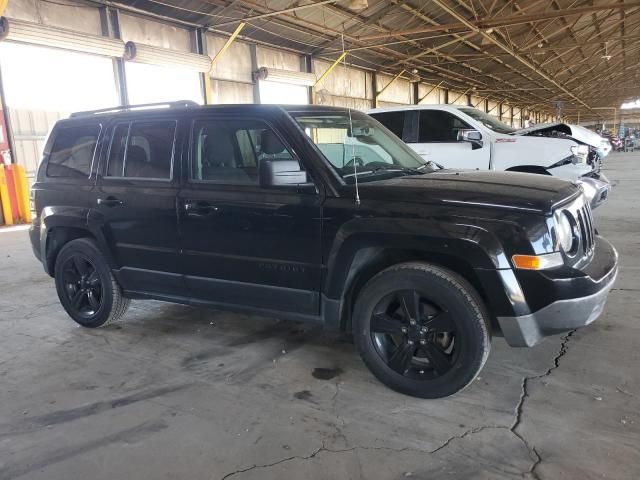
{"x":382,"y":170}
{"x":430,"y":163}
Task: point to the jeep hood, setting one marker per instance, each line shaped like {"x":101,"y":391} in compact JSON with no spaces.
{"x":523,"y":192}
{"x":563,"y":130}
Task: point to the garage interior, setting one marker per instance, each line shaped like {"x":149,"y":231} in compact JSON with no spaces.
{"x":186,"y":392}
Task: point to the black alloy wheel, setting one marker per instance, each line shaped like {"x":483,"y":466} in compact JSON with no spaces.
{"x":86,"y":286}
{"x":82,"y":285}
{"x":422,"y":329}
{"x":413,"y":336}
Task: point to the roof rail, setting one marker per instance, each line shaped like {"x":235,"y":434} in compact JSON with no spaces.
{"x":128,"y":108}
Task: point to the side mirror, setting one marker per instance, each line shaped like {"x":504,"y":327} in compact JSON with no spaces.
{"x":281,"y":173}
{"x":474,"y":137}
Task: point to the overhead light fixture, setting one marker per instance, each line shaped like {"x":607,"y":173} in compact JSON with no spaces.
{"x":358,"y":4}
{"x":489,"y":31}
{"x":606,"y":55}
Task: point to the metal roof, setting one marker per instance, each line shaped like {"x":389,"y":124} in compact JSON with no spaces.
{"x":583,"y":53}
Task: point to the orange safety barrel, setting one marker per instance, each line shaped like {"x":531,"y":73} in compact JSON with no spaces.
{"x":22,"y":191}
{"x":14,"y":194}
{"x":5,"y":199}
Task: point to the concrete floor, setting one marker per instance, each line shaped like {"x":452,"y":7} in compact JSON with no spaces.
{"x":176,"y":392}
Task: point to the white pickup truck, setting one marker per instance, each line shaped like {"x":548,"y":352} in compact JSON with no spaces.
{"x":460,"y":137}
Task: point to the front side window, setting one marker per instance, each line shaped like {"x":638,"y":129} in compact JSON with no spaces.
{"x":356,"y":144}
{"x":142,"y":150}
{"x":72,"y":152}
{"x":439,"y":126}
{"x":230,"y":152}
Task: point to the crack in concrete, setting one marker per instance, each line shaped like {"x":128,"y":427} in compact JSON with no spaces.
{"x":518,"y":411}
{"x":269,"y":465}
{"x":524,"y":394}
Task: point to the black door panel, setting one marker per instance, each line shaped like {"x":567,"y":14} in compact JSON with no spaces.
{"x":138,"y":214}
{"x":240,"y":243}
{"x":256,"y":237}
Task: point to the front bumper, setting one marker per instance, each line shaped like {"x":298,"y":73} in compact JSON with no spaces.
{"x":569,"y":312}
{"x":596,"y":188}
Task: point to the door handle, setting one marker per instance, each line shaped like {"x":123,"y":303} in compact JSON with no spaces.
{"x":200,"y":208}
{"x":109,"y":202}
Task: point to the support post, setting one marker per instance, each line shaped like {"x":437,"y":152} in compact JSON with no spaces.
{"x":254,"y":67}
{"x":110,"y":25}
{"x":307,"y":66}
{"x":200,"y":47}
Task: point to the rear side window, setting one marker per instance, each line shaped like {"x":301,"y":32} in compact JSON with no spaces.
{"x":394,"y":121}
{"x":73,"y":151}
{"x":142,"y":150}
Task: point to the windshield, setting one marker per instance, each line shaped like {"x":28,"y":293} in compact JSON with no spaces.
{"x":373,"y":150}
{"x":488,"y":121}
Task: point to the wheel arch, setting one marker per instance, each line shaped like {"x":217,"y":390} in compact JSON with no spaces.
{"x":363,"y":256}
{"x":59,"y":227}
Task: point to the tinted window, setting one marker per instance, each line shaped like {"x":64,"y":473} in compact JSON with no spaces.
{"x":439,"y":126}
{"x":230,"y":152}
{"x":72,"y":152}
{"x":142,"y":150}
{"x":394,"y":121}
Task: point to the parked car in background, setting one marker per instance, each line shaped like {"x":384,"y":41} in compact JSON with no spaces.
{"x":466,"y":138}
{"x":316,"y":214}
{"x":598,"y":146}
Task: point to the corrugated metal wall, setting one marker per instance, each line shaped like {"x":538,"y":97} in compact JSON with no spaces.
{"x":398,"y":93}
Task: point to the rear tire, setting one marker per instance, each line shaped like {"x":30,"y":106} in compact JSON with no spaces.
{"x":86,"y":287}
{"x":421,"y":329}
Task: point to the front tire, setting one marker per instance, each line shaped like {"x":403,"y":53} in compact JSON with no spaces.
{"x":86,"y":287}
{"x":421,"y":329}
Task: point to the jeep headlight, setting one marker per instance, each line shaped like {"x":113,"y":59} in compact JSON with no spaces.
{"x":565,"y":232}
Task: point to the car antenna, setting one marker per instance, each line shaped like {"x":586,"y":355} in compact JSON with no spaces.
{"x":353,"y":145}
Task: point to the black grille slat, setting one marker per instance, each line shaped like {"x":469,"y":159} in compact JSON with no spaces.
{"x":589,"y":226}
{"x":584,"y":240}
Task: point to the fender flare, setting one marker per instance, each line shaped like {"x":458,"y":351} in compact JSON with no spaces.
{"x":76,"y":218}
{"x":472,"y":244}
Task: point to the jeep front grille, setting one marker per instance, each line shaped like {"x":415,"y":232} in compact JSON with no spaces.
{"x":580,"y":210}
{"x":587,"y":232}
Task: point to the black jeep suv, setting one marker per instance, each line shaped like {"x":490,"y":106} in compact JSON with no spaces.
{"x":319,"y":214}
